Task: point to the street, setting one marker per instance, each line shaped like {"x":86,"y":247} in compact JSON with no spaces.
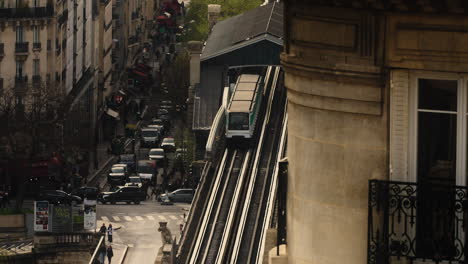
{"x":139,"y":227}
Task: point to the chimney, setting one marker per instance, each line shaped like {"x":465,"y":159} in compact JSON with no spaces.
{"x":213,"y":14}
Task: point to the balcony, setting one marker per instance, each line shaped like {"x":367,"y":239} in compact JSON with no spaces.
{"x":410,"y":222}
{"x":36,"y":46}
{"x":35,"y":12}
{"x":21,"y":83}
{"x":21,"y":47}
{"x":36,"y":80}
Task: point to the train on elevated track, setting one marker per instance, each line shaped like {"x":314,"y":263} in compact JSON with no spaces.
{"x":244,"y":106}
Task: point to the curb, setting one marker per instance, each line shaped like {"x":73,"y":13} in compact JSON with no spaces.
{"x":124,"y":255}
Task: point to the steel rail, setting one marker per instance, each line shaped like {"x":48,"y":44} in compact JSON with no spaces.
{"x":230,"y":180}
{"x":272,"y":190}
{"x":196,"y":249}
{"x":234,"y":204}
{"x":243,"y":218}
{"x":260,"y":198}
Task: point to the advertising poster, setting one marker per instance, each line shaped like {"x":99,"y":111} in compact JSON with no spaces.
{"x":89,"y":214}
{"x":62,"y":219}
{"x":41,"y":216}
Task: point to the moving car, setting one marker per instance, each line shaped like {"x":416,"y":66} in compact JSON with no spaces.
{"x":157,"y":154}
{"x":117,"y":176}
{"x":168,"y":144}
{"x":134,"y":181}
{"x":160,"y":128}
{"x":126,"y":194}
{"x":157,"y":121}
{"x":58,"y":197}
{"x":146,"y":169}
{"x":86,"y":192}
{"x":149,"y":137}
{"x":180,"y":195}
{"x":129,"y":160}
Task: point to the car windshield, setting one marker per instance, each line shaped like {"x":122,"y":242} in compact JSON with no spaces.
{"x":239,"y":121}
{"x":126,"y":158}
{"x":168,"y":141}
{"x":145,"y":169}
{"x":134,"y":180}
{"x":149,"y":133}
{"x":158,"y":152}
{"x":117,"y":170}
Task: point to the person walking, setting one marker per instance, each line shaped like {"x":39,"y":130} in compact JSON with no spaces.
{"x":103,"y":229}
{"x":109,"y":233}
{"x":110,"y":253}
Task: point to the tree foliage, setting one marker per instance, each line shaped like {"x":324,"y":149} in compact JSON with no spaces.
{"x":197,"y":12}
{"x":177,"y":76}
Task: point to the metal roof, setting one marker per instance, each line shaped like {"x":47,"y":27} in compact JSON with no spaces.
{"x":261,"y":23}
{"x":244,"y":94}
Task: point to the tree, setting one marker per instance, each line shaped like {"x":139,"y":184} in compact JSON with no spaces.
{"x":28,"y":114}
{"x":198,"y":13}
{"x":178,"y":77}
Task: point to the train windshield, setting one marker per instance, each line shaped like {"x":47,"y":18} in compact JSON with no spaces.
{"x":239,"y":121}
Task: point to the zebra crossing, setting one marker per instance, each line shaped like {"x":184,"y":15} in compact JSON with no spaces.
{"x":139,"y":218}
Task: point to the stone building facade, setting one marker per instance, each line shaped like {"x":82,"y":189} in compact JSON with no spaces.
{"x":377,"y":93}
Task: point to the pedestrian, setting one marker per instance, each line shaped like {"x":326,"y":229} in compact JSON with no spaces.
{"x":6,"y":199}
{"x":109,"y":233}
{"x":103,"y":229}
{"x":102,"y":254}
{"x":110,"y":253}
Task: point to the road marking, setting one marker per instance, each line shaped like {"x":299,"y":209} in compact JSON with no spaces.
{"x":139,"y":218}
{"x":116,"y":218}
{"x":173,"y":217}
{"x":150,"y":217}
{"x":104,"y":218}
{"x":162,"y":217}
{"x":128,"y":218}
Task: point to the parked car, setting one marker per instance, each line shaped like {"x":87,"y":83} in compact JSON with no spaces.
{"x":149,"y":137}
{"x":86,"y":192}
{"x":162,"y":111}
{"x":129,"y":160}
{"x":180,"y":195}
{"x":124,"y":166}
{"x":160,"y":128}
{"x":126,"y":194}
{"x":134,"y":181}
{"x":117,"y":176}
{"x":58,"y":197}
{"x":168,"y":144}
{"x":157,"y":121}
{"x":157,"y":154}
{"x":166,"y":119}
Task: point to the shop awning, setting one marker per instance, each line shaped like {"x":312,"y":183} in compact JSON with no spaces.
{"x":139,"y":73}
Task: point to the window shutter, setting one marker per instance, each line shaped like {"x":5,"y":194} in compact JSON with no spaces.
{"x":399,"y":131}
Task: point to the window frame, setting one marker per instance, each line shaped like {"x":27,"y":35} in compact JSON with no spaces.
{"x":462,"y":113}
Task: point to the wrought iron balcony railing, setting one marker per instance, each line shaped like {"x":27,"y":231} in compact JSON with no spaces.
{"x":21,"y":47}
{"x":417,"y":221}
{"x":26,"y":12}
{"x":36,"y":45}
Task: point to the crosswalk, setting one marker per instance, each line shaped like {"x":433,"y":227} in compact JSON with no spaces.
{"x":137,"y":218}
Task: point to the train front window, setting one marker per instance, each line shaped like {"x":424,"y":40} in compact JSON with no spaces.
{"x":239,"y":121}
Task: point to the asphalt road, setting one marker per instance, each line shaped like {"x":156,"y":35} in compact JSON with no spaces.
{"x":139,"y":227}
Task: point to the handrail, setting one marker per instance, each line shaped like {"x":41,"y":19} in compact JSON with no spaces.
{"x":273,"y":187}
{"x":200,"y":234}
{"x":252,"y":177}
{"x":215,"y":127}
{"x":194,"y":202}
{"x":92,"y":261}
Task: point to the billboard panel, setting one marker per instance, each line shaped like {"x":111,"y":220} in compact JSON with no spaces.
{"x":41,"y":216}
{"x":89,"y":214}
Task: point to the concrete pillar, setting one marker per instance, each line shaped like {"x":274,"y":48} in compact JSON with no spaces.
{"x":195,"y":50}
{"x":337,"y":141}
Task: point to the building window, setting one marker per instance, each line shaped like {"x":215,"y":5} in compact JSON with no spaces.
{"x":19,"y":69}
{"x":438,"y":146}
{"x":36,"y":38}
{"x":36,"y":71}
{"x":19,"y":34}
